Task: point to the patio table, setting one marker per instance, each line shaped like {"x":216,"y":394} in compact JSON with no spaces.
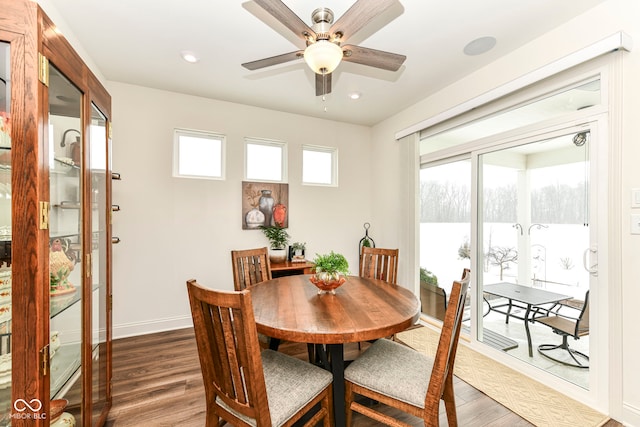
{"x":529,"y":299}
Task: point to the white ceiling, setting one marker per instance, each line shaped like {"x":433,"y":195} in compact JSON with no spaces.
{"x":139,"y":42}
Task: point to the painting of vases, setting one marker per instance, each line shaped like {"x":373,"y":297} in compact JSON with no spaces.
{"x":264,"y":203}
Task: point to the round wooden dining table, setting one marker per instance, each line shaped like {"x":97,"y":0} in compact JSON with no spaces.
{"x":290,"y":308}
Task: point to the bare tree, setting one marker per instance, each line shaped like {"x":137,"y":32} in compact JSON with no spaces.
{"x":501,"y":257}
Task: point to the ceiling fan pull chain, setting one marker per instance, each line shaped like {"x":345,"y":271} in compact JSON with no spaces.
{"x":324,"y":90}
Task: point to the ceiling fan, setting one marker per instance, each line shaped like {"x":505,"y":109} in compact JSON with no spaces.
{"x":324,"y":40}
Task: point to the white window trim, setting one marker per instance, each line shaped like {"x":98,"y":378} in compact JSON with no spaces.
{"x":177,"y":132}
{"x":616,"y":41}
{"x":334,"y":164}
{"x":272,"y":143}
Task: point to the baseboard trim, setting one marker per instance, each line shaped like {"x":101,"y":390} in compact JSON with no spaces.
{"x":630,"y":415}
{"x":151,"y":326}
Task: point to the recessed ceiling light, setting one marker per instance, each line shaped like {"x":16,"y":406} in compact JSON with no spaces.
{"x":480,"y":45}
{"x":355,"y":95}
{"x":189,"y":56}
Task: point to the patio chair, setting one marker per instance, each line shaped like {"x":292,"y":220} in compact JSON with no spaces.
{"x":486,"y":307}
{"x":244,"y":386}
{"x":566,"y":327}
{"x":403,"y":378}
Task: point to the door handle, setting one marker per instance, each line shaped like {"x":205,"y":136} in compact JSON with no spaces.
{"x":586,"y":260}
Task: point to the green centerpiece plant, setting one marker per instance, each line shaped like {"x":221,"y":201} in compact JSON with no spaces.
{"x":330,"y":271}
{"x":330,"y":266}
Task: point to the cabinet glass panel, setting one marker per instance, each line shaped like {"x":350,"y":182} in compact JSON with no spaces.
{"x":65,"y":232}
{"x":5,"y":235}
{"x":100,"y":213}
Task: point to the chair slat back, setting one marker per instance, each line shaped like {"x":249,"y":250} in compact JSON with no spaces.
{"x":379,"y":263}
{"x":582,"y":324}
{"x":229,"y":352}
{"x":250,"y":266}
{"x":447,"y":346}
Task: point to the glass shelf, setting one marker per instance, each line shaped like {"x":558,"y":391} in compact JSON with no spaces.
{"x":60,"y":303}
{"x":64,"y":164}
{"x":65,"y":366}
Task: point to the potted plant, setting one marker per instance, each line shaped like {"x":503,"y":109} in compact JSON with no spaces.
{"x":330,"y":266}
{"x":330,"y":271}
{"x":427,"y":277}
{"x":278,"y":239}
{"x":297,"y":251}
{"x":433,"y":298}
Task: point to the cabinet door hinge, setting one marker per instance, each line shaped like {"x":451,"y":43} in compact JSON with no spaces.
{"x":44,"y":360}
{"x":110,"y":302}
{"x":43,"y":69}
{"x":109,"y":132}
{"x":44,"y":215}
{"x":88,"y":266}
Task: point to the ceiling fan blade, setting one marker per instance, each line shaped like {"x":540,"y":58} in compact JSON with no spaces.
{"x":372,"y":57}
{"x":282,"y":13}
{"x":274,"y":60}
{"x":359,"y":15}
{"x":323,"y":84}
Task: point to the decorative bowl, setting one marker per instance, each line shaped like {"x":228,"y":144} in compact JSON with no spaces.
{"x":329,"y":286}
{"x":56,"y":408}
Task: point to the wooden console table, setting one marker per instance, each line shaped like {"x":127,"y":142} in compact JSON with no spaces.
{"x":289,"y":268}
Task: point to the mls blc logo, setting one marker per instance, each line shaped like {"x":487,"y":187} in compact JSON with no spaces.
{"x":34,"y":405}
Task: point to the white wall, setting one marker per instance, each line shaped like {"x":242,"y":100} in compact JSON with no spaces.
{"x":174,"y":229}
{"x":600,"y":22}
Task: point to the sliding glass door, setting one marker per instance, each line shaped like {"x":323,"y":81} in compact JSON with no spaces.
{"x":534,"y":253}
{"x":517,"y":191}
{"x":522,"y":215}
{"x":445,"y":231}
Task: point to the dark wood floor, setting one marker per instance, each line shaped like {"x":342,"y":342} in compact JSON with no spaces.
{"x":157,"y":382}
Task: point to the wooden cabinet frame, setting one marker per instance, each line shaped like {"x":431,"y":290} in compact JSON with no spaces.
{"x":33,"y":40}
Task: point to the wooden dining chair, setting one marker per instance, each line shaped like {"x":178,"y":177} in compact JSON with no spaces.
{"x":245,"y":386}
{"x":250,"y":266}
{"x":403,"y":378}
{"x":379,"y":263}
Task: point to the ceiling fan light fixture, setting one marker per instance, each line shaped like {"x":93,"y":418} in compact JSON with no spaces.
{"x":323,"y":56}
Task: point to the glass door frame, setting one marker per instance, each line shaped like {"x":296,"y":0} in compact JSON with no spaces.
{"x":605,"y":121}
{"x":597,"y":124}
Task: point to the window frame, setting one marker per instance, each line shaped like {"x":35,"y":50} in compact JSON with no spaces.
{"x":207,"y":135}
{"x":334,"y":164}
{"x":268,"y":143}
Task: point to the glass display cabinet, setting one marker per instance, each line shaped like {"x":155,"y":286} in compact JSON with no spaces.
{"x":55,"y":228}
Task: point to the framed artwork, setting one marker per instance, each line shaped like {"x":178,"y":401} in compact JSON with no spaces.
{"x":264,"y":203}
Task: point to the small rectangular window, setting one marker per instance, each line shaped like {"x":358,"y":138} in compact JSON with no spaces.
{"x":265,"y":160}
{"x":198,"y":154}
{"x":319,"y":165}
